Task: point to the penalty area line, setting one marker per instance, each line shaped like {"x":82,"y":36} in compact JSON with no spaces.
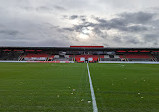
{"x":95,"y":109}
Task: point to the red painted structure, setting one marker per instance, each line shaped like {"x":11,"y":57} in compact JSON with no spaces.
{"x":94,"y":57}
{"x":87,"y":46}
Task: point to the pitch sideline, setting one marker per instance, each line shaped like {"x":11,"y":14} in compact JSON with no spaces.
{"x":95,"y":109}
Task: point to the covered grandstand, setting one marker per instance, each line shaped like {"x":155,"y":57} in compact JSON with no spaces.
{"x":78,"y":54}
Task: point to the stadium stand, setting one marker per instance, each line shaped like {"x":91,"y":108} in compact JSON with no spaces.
{"x":79,"y":54}
{"x":10,"y":56}
{"x":138,"y":57}
{"x":36,"y":57}
{"x":50,"y":57}
{"x":144,"y":56}
{"x":157,"y":58}
{"x":111,"y":58}
{"x":62,"y":58}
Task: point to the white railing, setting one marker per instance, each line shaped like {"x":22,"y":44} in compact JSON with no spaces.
{"x":144,"y":62}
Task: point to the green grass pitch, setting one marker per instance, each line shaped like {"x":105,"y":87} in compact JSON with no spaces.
{"x":48,"y":87}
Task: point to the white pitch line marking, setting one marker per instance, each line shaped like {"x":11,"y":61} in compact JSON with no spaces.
{"x":95,"y":109}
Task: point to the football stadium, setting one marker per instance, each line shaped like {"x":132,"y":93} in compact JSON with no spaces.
{"x":79,"y":79}
{"x":79,"y":55}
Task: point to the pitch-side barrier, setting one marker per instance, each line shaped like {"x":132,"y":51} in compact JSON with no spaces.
{"x":38,"y":61}
{"x":142,"y":62}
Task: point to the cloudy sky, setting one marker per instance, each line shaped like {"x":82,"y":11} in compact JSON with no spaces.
{"x":59,"y":23}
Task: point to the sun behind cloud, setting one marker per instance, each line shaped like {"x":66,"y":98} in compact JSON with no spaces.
{"x":85,"y":33}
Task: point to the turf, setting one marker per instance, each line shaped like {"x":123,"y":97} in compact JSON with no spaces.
{"x":52,"y":87}
{"x":126,"y":87}
{"x":44,"y":87}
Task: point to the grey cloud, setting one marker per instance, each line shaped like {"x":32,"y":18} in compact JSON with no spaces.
{"x":44,"y":9}
{"x":78,"y":28}
{"x":151,"y":37}
{"x":128,"y":24}
{"x":100,"y":20}
{"x":138,"y":17}
{"x":50,"y":43}
{"x":121,"y":23}
{"x":59,"y":7}
{"x":127,"y":41}
{"x":79,"y":17}
{"x":137,"y":28}
{"x":50,"y":8}
{"x":15,"y":43}
{"x":27,"y":8}
{"x":132,"y":40}
{"x":115,"y":23}
{"x":43,"y":43}
{"x":74,"y":17}
{"x":39,"y":23}
{"x":29,"y":33}
{"x":9,"y":32}
{"x":83,"y":18}
{"x":125,"y":19}
{"x":99,"y":33}
{"x":68,"y":29}
{"x":117,"y":39}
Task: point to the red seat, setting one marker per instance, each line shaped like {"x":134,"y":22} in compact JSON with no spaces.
{"x":121,"y":56}
{"x":138,"y":56}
